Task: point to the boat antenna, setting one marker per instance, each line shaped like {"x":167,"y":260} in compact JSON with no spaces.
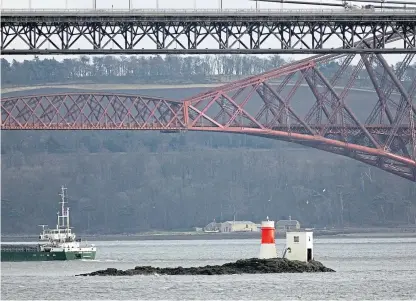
{"x":64,"y":213}
{"x":43,"y":226}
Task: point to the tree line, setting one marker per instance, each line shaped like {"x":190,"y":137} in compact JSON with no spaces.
{"x":153,"y":69}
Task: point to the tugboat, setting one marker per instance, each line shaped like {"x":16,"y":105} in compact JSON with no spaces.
{"x":59,"y":243}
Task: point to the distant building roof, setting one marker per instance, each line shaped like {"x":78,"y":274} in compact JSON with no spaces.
{"x":212,"y":226}
{"x":240,"y":222}
{"x":287,"y":222}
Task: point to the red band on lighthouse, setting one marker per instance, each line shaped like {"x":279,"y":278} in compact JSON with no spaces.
{"x":267,"y":235}
{"x":268,"y":246}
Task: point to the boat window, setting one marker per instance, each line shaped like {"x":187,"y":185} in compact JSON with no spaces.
{"x":296,"y":238}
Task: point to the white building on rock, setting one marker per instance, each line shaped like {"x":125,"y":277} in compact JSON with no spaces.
{"x":299,"y":245}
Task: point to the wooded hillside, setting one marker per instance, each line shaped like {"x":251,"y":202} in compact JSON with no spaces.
{"x":129,"y":182}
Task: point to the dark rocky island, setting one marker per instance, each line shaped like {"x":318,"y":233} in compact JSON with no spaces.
{"x":245,"y":266}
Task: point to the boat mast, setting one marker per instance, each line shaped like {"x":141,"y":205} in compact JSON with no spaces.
{"x":64,"y":213}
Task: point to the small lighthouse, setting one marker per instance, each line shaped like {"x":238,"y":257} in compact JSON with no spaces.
{"x":268,"y":245}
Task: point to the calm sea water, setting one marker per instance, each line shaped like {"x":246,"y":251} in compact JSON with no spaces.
{"x":375,"y":269}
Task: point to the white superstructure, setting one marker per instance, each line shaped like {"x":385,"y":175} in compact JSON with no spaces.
{"x":61,"y":238}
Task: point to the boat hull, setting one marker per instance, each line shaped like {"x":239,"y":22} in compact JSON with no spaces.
{"x":46,"y":256}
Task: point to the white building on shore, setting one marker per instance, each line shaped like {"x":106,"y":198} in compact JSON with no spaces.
{"x":231,"y":226}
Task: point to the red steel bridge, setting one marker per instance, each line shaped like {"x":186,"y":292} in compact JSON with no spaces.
{"x":295,"y":103}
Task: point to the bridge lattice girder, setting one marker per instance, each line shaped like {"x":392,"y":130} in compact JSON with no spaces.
{"x":295,"y":102}
{"x":205,"y":31}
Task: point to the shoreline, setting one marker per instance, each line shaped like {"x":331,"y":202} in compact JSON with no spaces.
{"x":332,"y":234}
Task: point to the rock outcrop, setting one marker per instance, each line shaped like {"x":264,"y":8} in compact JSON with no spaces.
{"x":244,"y":266}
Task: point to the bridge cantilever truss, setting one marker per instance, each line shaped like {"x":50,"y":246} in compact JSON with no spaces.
{"x":205,"y":31}
{"x":296,"y":103}
{"x":267,"y":105}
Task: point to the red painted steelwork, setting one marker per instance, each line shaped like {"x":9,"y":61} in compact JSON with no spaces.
{"x":267,"y":105}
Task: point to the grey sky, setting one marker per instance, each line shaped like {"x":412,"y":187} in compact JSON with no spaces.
{"x":151,"y":4}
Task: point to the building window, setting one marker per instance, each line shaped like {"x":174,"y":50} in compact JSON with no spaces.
{"x":296,"y":238}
